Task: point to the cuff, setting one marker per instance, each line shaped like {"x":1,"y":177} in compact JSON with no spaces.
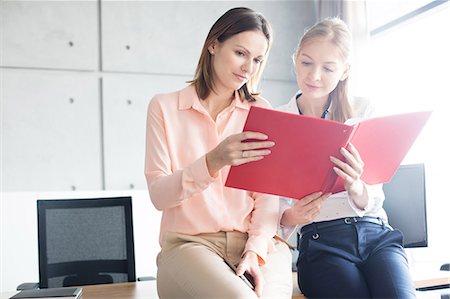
{"x":199,"y":173}
{"x":355,"y":208}
{"x":261,"y":246}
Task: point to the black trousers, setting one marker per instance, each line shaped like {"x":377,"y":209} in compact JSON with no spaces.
{"x":353,"y":258}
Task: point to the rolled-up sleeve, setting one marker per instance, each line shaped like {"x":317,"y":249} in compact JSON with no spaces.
{"x":285,"y":231}
{"x":263,"y":225}
{"x":375,"y":200}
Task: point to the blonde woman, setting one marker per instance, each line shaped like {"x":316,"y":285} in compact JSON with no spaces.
{"x":346,"y":247}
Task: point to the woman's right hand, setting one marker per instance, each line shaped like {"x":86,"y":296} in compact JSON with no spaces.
{"x":304,"y":210}
{"x":233,"y":151}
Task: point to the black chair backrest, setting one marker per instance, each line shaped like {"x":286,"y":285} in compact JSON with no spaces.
{"x":85,"y":241}
{"x":405,"y":204}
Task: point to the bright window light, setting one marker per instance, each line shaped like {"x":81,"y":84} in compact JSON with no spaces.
{"x":409,"y":71}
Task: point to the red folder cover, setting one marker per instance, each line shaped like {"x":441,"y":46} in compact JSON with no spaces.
{"x":299,"y":163}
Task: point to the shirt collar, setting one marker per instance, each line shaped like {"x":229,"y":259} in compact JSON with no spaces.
{"x":188,"y":98}
{"x":241,"y":103}
{"x":293,"y":104}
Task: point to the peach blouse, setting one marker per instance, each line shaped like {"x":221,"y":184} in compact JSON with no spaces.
{"x":179,"y":134}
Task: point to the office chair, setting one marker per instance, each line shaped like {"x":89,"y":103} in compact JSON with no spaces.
{"x":85,"y":241}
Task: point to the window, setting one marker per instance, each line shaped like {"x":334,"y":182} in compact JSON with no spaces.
{"x":409,"y":71}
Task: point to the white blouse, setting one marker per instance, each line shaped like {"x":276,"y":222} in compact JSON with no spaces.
{"x":338,"y":205}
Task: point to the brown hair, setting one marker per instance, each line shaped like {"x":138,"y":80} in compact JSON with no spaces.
{"x":336,"y":31}
{"x":234,"y":21}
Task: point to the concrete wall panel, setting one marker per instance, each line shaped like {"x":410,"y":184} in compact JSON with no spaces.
{"x":166,"y":37}
{"x":50,"y":132}
{"x":125,"y":113}
{"x":50,"y":34}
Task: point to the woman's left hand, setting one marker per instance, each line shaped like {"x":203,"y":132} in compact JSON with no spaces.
{"x":249,"y":264}
{"x":351,"y":170}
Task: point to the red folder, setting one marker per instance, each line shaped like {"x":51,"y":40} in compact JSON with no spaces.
{"x":299,"y":163}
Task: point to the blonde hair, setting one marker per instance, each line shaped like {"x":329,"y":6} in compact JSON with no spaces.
{"x":336,"y":31}
{"x":234,"y":21}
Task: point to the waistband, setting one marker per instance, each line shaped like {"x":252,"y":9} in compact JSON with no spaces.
{"x":316,"y":226}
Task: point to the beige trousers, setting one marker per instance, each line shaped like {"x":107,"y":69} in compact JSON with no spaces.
{"x":194,"y":267}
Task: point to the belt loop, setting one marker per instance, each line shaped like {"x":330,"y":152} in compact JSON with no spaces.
{"x":382,"y":222}
{"x":315,"y":228}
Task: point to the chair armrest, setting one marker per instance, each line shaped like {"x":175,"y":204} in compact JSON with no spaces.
{"x":144,"y":278}
{"x":27,"y":286}
{"x":445,"y":267}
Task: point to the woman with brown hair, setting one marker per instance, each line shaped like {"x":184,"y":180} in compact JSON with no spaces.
{"x":192,"y":140}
